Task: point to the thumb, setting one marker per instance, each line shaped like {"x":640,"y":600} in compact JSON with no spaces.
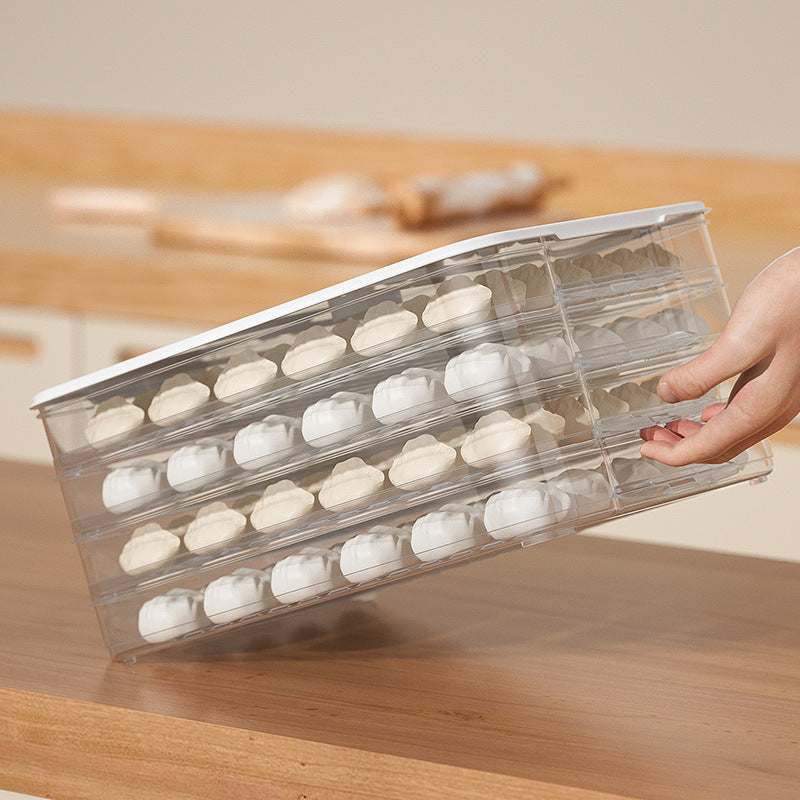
{"x":689,"y":381}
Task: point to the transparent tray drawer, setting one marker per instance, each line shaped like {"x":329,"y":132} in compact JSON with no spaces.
{"x":468,"y":400}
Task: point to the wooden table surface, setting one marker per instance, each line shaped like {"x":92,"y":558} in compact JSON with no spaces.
{"x":580,"y":668}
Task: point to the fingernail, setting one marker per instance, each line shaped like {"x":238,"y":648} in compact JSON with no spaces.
{"x":665,"y":392}
{"x":645,"y":449}
{"x":647,"y":433}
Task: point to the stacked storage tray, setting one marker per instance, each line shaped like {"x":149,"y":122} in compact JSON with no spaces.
{"x":485,"y":395}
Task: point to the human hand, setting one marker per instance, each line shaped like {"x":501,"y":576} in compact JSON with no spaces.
{"x":761,"y":344}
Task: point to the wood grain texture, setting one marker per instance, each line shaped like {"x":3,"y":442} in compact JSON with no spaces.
{"x":119,"y":270}
{"x":154,"y":756}
{"x":369,"y":245}
{"x":755,"y":203}
{"x":582,"y":664}
{"x":136,"y":152}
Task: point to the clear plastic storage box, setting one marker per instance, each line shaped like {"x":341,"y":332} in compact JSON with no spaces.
{"x":485,"y":395}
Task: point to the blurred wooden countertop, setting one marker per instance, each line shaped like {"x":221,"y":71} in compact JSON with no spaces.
{"x":584,"y":668}
{"x":581,"y":668}
{"x":755,"y":205}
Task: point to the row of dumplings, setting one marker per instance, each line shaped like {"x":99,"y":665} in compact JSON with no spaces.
{"x":458,"y":300}
{"x":496,"y":438}
{"x":519,"y":510}
{"x":594,"y":266}
{"x":396,"y":399}
{"x":489,"y":367}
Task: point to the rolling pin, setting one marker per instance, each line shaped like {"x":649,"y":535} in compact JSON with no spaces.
{"x":427,"y":200}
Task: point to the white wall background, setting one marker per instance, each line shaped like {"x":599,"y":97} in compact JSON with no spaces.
{"x":702,"y":75}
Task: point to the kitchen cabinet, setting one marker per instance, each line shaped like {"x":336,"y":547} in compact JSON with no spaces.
{"x":40,"y":348}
